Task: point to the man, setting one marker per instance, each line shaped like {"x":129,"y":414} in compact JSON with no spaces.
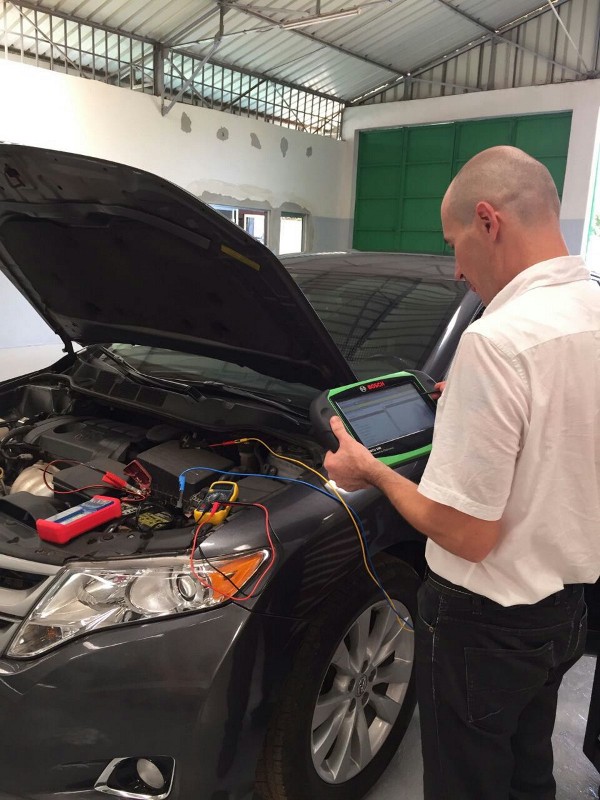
{"x":510,"y":498}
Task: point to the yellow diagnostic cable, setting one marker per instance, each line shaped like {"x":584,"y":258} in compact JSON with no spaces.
{"x":348,"y":511}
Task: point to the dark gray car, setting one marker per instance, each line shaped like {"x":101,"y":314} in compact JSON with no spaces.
{"x":145,"y":658}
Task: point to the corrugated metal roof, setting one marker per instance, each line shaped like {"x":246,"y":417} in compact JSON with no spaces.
{"x":343,"y":58}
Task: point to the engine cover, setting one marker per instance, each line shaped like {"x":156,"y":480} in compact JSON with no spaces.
{"x":81,"y":439}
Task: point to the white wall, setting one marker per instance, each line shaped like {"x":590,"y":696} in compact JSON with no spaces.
{"x":218,"y":157}
{"x":583,"y":98}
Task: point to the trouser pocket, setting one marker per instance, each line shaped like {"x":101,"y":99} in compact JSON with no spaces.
{"x":500,"y":682}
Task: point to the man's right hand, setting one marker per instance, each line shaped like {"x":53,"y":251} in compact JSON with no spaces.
{"x":439,"y":388}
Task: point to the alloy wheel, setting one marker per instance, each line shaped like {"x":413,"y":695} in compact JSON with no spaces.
{"x":363,"y":691}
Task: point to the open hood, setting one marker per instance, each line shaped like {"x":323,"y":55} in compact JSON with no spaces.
{"x":109,"y":253}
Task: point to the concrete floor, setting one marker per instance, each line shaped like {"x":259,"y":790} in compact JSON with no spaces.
{"x":575,"y":775}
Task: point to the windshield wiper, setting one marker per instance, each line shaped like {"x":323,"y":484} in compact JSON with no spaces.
{"x":239,"y":391}
{"x":131,"y":372}
{"x":193,"y":389}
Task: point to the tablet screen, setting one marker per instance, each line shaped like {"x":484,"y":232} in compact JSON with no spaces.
{"x":388,"y":414}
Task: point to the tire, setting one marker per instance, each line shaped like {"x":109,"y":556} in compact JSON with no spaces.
{"x":339,"y":723}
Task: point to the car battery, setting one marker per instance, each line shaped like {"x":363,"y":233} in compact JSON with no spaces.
{"x":167,"y":461}
{"x":74,"y":479}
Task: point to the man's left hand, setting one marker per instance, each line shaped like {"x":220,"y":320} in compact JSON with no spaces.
{"x":352,"y":467}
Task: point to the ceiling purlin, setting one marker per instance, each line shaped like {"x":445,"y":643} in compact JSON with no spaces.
{"x":413,"y":73}
{"x":182,"y":52}
{"x":399,"y":74}
{"x":494,"y":34}
{"x":180,"y":35}
{"x":80,"y":20}
{"x":312,"y":38}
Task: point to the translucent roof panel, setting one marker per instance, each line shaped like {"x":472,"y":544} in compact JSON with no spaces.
{"x":342,"y":57}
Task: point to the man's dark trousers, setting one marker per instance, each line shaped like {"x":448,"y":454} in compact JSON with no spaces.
{"x":488,"y":679}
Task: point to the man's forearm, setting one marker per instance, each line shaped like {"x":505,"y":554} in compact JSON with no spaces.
{"x":460,"y":534}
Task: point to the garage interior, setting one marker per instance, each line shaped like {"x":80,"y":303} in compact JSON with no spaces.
{"x":316,"y":126}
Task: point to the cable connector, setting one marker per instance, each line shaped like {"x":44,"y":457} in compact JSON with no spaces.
{"x":120,"y":483}
{"x":179,"y":503}
{"x":114,"y":480}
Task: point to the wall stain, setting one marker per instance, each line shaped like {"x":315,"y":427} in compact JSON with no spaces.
{"x":186,"y":123}
{"x":308,"y":152}
{"x":255,"y":141}
{"x":223,"y":134}
{"x":284,"y":145}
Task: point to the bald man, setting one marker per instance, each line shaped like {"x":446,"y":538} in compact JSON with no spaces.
{"x":510,"y":497}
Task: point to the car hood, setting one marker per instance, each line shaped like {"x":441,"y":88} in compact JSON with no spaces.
{"x":109,"y":253}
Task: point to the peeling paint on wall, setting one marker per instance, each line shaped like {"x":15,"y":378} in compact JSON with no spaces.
{"x":255,"y":141}
{"x":186,"y":123}
{"x":308,"y":152}
{"x":223,"y":134}
{"x":248,"y":195}
{"x":284,"y":146}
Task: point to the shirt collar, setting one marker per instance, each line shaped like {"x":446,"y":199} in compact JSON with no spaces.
{"x":554,"y":271}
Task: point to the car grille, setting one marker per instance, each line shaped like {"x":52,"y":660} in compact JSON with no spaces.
{"x":13,"y":579}
{"x":8,"y":628}
{"x":21,"y":585}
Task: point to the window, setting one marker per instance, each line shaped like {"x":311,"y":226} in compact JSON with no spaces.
{"x":291,"y":233}
{"x":253,"y":222}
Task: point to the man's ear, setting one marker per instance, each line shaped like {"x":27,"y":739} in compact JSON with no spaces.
{"x":487,"y":217}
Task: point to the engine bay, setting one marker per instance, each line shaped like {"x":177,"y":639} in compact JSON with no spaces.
{"x":64,"y":456}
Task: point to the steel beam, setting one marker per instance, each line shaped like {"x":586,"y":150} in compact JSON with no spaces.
{"x":184,"y":79}
{"x":494,"y":34}
{"x":312,"y":38}
{"x":218,"y":63}
{"x":264,"y":76}
{"x":458,"y":51}
{"x":172,"y":41}
{"x":407,"y":82}
{"x":189,"y":82}
{"x":158,"y":72}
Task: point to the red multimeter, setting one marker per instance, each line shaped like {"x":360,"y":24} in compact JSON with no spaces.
{"x":66,"y":525}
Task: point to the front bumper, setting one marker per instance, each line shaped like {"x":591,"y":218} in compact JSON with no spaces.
{"x":197,"y":688}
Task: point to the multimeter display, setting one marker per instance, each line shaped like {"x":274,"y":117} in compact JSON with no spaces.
{"x":387,"y":415}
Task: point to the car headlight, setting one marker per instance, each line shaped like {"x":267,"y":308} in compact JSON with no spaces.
{"x":84,"y":599}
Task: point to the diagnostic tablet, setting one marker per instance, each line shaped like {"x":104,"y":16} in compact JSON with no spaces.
{"x":392,"y":416}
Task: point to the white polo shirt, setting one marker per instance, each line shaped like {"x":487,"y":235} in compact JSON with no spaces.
{"x":517,"y":436}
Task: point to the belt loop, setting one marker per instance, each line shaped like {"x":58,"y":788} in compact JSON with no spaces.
{"x":477,"y":604}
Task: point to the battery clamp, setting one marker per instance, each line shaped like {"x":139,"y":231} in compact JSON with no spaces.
{"x":391,"y":415}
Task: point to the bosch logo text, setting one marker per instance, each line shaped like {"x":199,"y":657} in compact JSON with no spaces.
{"x":376,"y":385}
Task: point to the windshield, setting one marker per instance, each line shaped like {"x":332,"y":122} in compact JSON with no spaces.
{"x":159,"y":362}
{"x":381,"y":323}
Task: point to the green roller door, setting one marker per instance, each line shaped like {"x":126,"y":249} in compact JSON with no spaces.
{"x":403,"y":173}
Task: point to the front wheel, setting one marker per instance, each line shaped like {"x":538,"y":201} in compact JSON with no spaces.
{"x":350,"y":696}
